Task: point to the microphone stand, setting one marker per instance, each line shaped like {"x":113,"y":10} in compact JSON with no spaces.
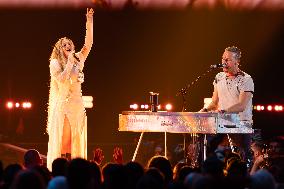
{"x":182,"y":92}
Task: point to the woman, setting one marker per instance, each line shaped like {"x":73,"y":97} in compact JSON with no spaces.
{"x":66,"y":124}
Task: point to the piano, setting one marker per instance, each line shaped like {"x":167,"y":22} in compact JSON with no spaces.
{"x":182,"y":122}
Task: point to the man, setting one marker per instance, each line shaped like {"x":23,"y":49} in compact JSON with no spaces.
{"x":233,"y":92}
{"x":32,"y":159}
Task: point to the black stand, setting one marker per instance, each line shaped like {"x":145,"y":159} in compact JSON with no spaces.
{"x":182,"y":92}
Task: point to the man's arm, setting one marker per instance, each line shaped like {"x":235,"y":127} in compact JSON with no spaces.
{"x":244,"y":98}
{"x":214,"y":103}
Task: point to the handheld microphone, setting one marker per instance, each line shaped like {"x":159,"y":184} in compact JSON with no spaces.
{"x":217,"y":66}
{"x":76,"y":57}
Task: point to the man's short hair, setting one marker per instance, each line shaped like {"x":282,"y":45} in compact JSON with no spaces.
{"x":32,"y":158}
{"x":236,"y":51}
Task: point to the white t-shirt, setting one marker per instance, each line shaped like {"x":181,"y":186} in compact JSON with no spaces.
{"x":229,"y":90}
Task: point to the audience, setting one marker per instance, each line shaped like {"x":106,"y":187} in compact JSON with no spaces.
{"x":230,"y":171}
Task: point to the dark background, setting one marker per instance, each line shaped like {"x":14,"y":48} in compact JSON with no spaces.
{"x":136,"y":52}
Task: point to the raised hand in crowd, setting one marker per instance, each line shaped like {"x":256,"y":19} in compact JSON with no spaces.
{"x":98,"y":156}
{"x":117,"y":155}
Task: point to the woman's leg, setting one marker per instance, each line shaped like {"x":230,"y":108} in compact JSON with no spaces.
{"x":66,"y":137}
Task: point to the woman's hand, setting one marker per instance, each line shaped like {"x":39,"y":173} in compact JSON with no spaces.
{"x":89,"y":14}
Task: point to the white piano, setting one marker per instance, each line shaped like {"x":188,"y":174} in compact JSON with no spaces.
{"x":182,"y":122}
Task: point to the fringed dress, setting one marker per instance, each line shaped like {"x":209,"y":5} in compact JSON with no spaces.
{"x":66,"y":101}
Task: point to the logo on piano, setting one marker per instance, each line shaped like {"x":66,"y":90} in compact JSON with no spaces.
{"x":138,"y":120}
{"x":167,"y":123}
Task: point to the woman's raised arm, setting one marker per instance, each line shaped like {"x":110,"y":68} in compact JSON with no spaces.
{"x":89,"y":33}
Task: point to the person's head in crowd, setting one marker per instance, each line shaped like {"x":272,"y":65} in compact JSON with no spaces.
{"x":134,"y":171}
{"x":275,"y":146}
{"x":79,"y":174}
{"x":236,"y":168}
{"x":191,"y":178}
{"x":236,"y":173}
{"x":213,"y":166}
{"x":32,"y":158}
{"x":59,"y":167}
{"x":10,"y":173}
{"x":96,"y":174}
{"x":262,"y":179}
{"x":217,"y":143}
{"x":164,"y":165}
{"x":256,"y":149}
{"x":28,"y":179}
{"x":58,"y":182}
{"x":184,"y":171}
{"x":204,"y":182}
{"x":44,"y":172}
{"x":177,"y":169}
{"x":114,"y":176}
{"x":152,"y":179}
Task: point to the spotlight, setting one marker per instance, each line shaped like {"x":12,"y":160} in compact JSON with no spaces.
{"x":269,"y":107}
{"x":262,"y":107}
{"x":278,"y":108}
{"x":9,"y":105}
{"x":17,"y":105}
{"x":142,"y":106}
{"x":146,"y":106}
{"x":134,"y":106}
{"x":258,"y":107}
{"x":169,"y":107}
{"x":26,"y":105}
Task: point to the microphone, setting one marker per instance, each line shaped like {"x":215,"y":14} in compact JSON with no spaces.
{"x":217,"y":66}
{"x":76,"y":57}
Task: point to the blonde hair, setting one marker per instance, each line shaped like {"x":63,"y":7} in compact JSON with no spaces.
{"x":57,"y":52}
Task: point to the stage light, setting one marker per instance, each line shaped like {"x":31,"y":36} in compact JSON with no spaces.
{"x":9,"y":105}
{"x":159,"y":107}
{"x":278,"y":108}
{"x":17,"y":105}
{"x":259,"y":107}
{"x":144,"y":106}
{"x":134,"y":106}
{"x":169,"y":107}
{"x":262,"y":107}
{"x":26,"y":105}
{"x":269,"y":107}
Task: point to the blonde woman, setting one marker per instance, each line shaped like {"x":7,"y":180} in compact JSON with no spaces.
{"x":66,"y":124}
